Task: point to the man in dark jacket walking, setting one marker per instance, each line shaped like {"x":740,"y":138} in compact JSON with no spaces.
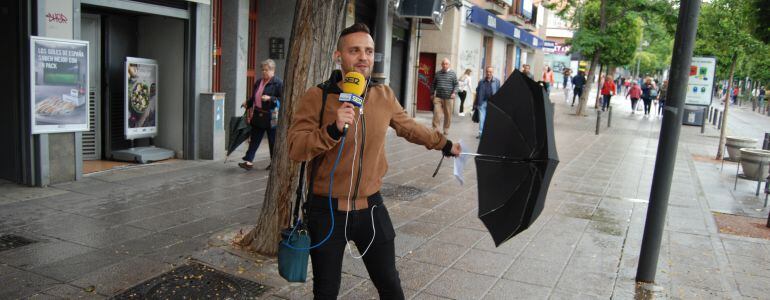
{"x":443,"y":89}
{"x":578,"y":81}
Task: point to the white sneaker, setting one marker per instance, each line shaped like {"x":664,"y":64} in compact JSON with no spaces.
{"x":462,"y":114}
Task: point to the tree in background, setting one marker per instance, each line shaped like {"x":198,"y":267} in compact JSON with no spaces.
{"x":724,"y":32}
{"x":317,"y":24}
{"x":608,"y":32}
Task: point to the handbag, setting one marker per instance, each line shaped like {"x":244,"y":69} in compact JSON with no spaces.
{"x":294,"y":247}
{"x":475,"y":116}
{"x":293,"y":250}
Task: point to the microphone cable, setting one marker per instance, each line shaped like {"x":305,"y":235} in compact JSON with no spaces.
{"x":362,"y":119}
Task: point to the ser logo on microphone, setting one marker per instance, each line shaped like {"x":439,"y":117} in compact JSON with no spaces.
{"x":352,"y":80}
{"x":353,"y":88}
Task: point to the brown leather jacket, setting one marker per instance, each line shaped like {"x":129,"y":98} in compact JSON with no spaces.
{"x":381,"y":110}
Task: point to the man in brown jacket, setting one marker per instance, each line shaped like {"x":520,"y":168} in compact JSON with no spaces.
{"x":356,"y":194}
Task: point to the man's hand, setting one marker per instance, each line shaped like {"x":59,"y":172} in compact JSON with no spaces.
{"x":456,"y":149}
{"x":345,"y":115}
{"x":452,"y":96}
{"x":244,"y":104}
{"x":265,"y":97}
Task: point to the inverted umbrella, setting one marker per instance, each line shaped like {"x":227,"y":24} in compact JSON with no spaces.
{"x":516,"y":158}
{"x":240,"y":131}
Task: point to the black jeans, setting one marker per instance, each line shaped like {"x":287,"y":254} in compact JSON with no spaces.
{"x":606,"y":101}
{"x":256,"y":139}
{"x":380,"y":260}
{"x":462,"y":95}
{"x":647,"y":104}
{"x":578,"y":92}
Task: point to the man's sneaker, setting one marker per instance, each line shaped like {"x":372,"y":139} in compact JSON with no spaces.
{"x":246,"y":165}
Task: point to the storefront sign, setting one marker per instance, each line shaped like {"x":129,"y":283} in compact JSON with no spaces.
{"x":484,"y":19}
{"x":701,"y":81}
{"x":141,"y":98}
{"x":59,"y":85}
{"x":276,"y":48}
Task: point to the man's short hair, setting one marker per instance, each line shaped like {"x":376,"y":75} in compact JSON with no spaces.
{"x":357,"y":27}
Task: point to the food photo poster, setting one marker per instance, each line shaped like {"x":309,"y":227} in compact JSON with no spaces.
{"x":141,"y":98}
{"x":59,"y":85}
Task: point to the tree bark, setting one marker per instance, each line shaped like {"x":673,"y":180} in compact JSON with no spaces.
{"x":317,"y":24}
{"x":723,"y":131}
{"x":594,"y":61}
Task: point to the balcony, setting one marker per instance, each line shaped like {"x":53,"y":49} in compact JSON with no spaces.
{"x":520,"y":21}
{"x":493,"y":6}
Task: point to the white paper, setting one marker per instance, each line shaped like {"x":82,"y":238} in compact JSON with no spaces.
{"x":460,"y":164}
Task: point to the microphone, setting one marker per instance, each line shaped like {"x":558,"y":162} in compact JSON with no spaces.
{"x":353,"y":85}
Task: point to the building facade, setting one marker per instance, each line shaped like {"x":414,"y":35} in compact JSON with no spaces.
{"x":481,"y":33}
{"x":195,"y":48}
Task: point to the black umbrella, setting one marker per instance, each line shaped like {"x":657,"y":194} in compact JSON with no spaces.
{"x":516,"y":157}
{"x":240,"y":131}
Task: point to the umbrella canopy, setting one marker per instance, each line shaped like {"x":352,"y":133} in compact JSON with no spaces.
{"x":516,"y":157}
{"x":239,"y":132}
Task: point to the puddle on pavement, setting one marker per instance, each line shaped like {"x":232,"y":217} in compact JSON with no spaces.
{"x":607,"y":228}
{"x":400,"y":192}
{"x":12,"y":241}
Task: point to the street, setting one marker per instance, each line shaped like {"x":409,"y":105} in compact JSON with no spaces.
{"x":99,"y":236}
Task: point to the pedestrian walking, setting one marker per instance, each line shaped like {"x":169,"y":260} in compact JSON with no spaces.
{"x":443,"y":88}
{"x":662,"y":97}
{"x":579,"y":81}
{"x":548,"y":79}
{"x":626,"y":84}
{"x":262,"y":116}
{"x":484,"y":91}
{"x":525,"y":69}
{"x":608,"y":90}
{"x":464,"y":87}
{"x":567,"y":84}
{"x":635,"y":92}
{"x":649,"y":92}
{"x":736,"y":92}
{"x":356,"y":209}
{"x":761,"y":96}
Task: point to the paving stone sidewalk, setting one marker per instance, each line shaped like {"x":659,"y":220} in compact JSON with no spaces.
{"x":106,"y":233}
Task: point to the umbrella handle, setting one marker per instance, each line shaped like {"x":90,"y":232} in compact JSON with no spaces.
{"x":438,"y":167}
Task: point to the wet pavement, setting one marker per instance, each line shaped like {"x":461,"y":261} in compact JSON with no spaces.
{"x":98,"y":237}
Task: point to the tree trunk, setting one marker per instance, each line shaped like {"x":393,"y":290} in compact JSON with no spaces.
{"x":722,"y":132}
{"x":317,"y":24}
{"x":597,"y":103}
{"x":594,"y":61}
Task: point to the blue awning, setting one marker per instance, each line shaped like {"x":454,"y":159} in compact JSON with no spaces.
{"x":487,"y":20}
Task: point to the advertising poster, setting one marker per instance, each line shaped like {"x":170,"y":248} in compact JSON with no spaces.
{"x":141,"y":98}
{"x":701,"y":81}
{"x":59,"y":85}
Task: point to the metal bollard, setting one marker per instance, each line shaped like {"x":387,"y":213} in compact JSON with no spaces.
{"x":598,"y":120}
{"x":703,"y":123}
{"x":719,"y":120}
{"x":609,"y":116}
{"x":766,"y":142}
